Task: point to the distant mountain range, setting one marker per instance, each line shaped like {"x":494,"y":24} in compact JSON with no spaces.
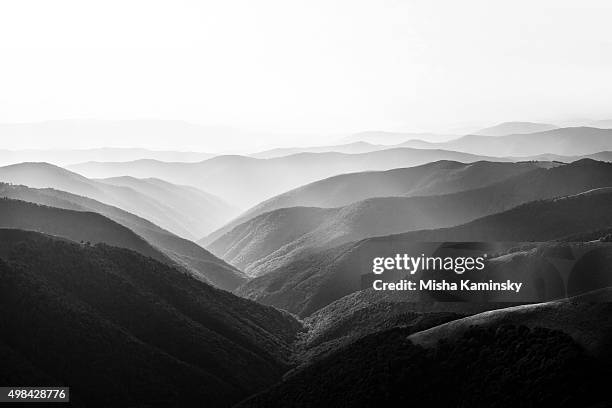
{"x":392,"y":138}
{"x":515,"y":128}
{"x":89,"y":218}
{"x":121,"y":328}
{"x":246,"y":181}
{"x":564,"y":141}
{"x":350,"y":148}
{"x":106,"y":285}
{"x":65,"y":157}
{"x":185,"y":211}
{"x":274,"y":239}
{"x":309,"y":282}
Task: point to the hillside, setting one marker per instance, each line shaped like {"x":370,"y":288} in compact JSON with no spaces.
{"x":441,"y":177}
{"x":586,"y":318}
{"x":311,"y":281}
{"x":120,"y":329}
{"x":44,"y":175}
{"x":245,"y":181}
{"x":265,"y":234}
{"x":194,"y":258}
{"x":76,"y":226}
{"x":503,"y":365}
{"x":391,"y":215}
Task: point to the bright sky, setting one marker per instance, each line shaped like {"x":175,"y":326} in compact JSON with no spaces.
{"x":313,"y":66}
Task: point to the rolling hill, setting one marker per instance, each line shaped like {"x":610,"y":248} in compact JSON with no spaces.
{"x":586,"y":318}
{"x":42,"y":175}
{"x":245,"y":181}
{"x":308,"y":282}
{"x":194,"y":258}
{"x":271,"y":240}
{"x":441,"y":177}
{"x":119,"y":328}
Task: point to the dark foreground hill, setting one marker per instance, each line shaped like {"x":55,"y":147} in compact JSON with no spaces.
{"x":124,"y":330}
{"x":500,"y":366}
{"x":316,"y":279}
{"x":186,"y":253}
{"x":274,"y":239}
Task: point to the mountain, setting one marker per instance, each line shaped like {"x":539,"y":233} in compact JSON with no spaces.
{"x":313,"y":279}
{"x":119,"y":328}
{"x":350,"y":148}
{"x":515,"y":128}
{"x":572,"y":141}
{"x":272,"y":240}
{"x":245,"y":181}
{"x":62,"y":157}
{"x":391,"y":138}
{"x":152,"y":207}
{"x":440,"y":177}
{"x":551,"y":354}
{"x":201,"y":212}
{"x":194,"y":258}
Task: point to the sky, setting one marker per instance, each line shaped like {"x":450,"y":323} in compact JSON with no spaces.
{"x":301,"y":72}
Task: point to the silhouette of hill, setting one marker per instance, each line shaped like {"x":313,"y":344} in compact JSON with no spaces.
{"x":63,"y":157}
{"x":43,"y":175}
{"x":245,"y":181}
{"x":441,"y":177}
{"x":515,"y":128}
{"x":122,"y":329}
{"x":194,"y":258}
{"x":271,"y":241}
{"x":392,"y":138}
{"x":349,"y":148}
{"x":314,"y":279}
